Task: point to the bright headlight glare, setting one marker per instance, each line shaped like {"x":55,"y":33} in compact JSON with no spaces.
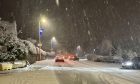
{"x":129,"y":63}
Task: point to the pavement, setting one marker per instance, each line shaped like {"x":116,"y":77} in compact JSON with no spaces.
{"x":71,"y":72}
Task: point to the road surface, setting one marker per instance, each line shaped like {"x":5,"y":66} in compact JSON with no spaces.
{"x":71,"y":72}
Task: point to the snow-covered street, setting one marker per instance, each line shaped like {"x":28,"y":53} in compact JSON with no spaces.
{"x":71,"y":72}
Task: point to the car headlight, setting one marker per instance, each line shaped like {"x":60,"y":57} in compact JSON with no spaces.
{"x":129,"y":63}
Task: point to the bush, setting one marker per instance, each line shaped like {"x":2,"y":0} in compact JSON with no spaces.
{"x":4,"y":57}
{"x":16,"y":49}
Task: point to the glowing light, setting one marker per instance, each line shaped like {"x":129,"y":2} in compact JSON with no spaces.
{"x":129,"y":63}
{"x":43,"y":19}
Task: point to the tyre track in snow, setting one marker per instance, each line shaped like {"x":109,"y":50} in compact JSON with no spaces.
{"x":129,"y":75}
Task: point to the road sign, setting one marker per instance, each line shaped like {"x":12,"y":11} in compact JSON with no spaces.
{"x":41,"y":32}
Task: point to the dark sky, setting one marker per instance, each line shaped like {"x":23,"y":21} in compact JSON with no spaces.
{"x":77,"y":22}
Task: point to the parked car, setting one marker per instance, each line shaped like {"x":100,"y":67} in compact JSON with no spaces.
{"x":71,"y":57}
{"x":134,"y":63}
{"x":59,"y":58}
{"x":98,"y":58}
{"x":117,"y":59}
{"x":90,"y":56}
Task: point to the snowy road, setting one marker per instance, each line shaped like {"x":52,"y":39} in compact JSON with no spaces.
{"x":72,"y":72}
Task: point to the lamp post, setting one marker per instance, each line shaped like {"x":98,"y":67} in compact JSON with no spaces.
{"x":78,"y":51}
{"x":53,"y":43}
{"x":41,"y":19}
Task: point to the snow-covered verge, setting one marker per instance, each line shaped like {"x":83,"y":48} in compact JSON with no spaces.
{"x":100,"y":58}
{"x":110,"y":51}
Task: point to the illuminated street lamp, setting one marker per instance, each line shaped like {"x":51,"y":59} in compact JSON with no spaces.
{"x":79,"y":51}
{"x":79,"y":47}
{"x":41,"y":20}
{"x":53,"y":43}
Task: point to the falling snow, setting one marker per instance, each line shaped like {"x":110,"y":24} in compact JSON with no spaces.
{"x":84,"y":13}
{"x":89,"y":32}
{"x":83,"y":20}
{"x":57,"y":2}
{"x":66,"y":9}
{"x":128,"y":23}
{"x":132,"y":38}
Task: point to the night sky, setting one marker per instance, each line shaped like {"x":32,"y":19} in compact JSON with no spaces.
{"x":77,"y":22}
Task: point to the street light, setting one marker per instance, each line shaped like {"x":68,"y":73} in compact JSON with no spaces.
{"x":79,"y":47}
{"x":79,"y":50}
{"x":54,"y":39}
{"x":53,"y":43}
{"x":41,"y":20}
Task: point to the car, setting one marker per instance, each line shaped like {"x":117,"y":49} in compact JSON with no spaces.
{"x":72,"y":57}
{"x":134,"y":63}
{"x":98,"y":58}
{"x":59,"y":59}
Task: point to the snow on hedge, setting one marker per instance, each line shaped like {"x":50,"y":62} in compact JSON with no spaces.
{"x":13,"y":48}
